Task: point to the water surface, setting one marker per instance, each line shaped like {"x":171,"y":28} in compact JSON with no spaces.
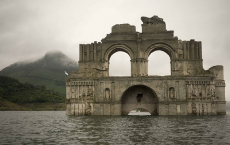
{"x":54,"y":127}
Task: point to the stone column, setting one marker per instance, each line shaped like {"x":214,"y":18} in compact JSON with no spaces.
{"x":139,"y":67}
{"x":80,"y":52}
{"x":88,"y":52}
{"x":95,"y":50}
{"x":200,"y":50}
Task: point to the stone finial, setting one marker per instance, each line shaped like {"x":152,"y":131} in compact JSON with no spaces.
{"x":153,"y":25}
{"x":153,"y":20}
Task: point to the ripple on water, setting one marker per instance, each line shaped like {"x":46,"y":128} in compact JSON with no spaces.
{"x":54,"y":127}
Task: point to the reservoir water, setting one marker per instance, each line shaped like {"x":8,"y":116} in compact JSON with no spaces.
{"x":54,"y":127}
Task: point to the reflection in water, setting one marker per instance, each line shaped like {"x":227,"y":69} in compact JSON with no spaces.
{"x":57,"y":128}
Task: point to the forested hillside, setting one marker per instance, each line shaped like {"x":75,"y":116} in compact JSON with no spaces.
{"x":14,"y":91}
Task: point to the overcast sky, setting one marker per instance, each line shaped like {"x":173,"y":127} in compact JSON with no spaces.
{"x":30,"y":28}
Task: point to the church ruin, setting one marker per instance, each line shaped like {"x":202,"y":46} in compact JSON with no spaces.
{"x":189,"y":90}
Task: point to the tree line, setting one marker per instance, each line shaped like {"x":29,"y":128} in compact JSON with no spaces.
{"x":14,"y":91}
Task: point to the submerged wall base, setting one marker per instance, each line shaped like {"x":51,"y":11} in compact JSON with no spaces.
{"x":170,"y":96}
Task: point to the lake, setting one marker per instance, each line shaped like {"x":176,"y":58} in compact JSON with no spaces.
{"x":54,"y":127}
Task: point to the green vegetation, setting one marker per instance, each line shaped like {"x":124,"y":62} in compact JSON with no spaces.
{"x":50,"y":79}
{"x":47,"y":71}
{"x":38,"y":85}
{"x":9,"y":106}
{"x":14,"y":91}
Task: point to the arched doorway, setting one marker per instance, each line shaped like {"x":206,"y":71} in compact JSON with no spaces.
{"x":139,"y":96}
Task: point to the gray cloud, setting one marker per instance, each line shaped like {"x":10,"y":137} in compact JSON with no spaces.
{"x":13,"y":15}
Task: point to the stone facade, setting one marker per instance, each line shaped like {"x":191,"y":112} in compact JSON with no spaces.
{"x":189,"y":90}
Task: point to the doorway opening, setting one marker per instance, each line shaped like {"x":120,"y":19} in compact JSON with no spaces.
{"x":138,"y":98}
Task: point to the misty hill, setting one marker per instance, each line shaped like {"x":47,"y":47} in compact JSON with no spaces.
{"x":47,"y":71}
{"x":14,"y":91}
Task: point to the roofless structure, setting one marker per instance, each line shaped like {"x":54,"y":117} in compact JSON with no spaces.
{"x":189,"y":90}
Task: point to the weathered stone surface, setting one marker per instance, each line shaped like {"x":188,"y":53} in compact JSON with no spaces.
{"x":123,"y":28}
{"x":190,"y":90}
{"x":153,"y":25}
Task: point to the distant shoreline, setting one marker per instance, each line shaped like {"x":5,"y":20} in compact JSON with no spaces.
{"x":46,"y":106}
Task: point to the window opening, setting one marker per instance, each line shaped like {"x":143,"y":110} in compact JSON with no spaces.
{"x":159,"y":64}
{"x":119,"y":64}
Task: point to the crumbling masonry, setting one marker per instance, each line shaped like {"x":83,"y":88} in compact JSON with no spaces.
{"x":189,"y":90}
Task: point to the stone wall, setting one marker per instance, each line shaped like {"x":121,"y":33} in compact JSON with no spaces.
{"x":172,"y":95}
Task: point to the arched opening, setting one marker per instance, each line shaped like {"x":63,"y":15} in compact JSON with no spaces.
{"x":139,"y":96}
{"x":159,"y":63}
{"x":119,"y":64}
{"x":139,"y":112}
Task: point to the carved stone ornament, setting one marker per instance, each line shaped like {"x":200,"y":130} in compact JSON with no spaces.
{"x":172,"y":93}
{"x":152,"y":20}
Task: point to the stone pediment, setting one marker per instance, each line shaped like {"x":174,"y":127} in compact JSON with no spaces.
{"x":152,"y":28}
